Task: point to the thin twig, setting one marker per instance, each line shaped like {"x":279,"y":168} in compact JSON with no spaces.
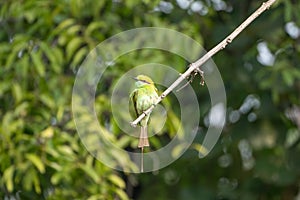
{"x":266,"y":5}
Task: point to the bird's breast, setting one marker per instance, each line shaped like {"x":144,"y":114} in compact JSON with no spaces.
{"x":146,"y":100}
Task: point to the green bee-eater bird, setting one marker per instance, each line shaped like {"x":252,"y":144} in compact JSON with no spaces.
{"x":142,"y":98}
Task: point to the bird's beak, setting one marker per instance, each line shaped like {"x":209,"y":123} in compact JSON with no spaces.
{"x":134,"y":78}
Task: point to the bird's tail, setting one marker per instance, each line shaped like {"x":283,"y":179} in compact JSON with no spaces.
{"x":143,"y":142}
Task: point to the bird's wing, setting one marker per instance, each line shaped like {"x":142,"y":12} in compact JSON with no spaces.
{"x":132,"y":104}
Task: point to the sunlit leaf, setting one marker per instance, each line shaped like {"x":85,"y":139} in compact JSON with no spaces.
{"x":96,"y":197}
{"x":21,"y":110}
{"x":73,"y":29}
{"x":55,"y":179}
{"x":36,"y":184}
{"x":65,"y":24}
{"x":116,"y":180}
{"x":47,"y":100}
{"x":17,"y":92}
{"x":37,"y":162}
{"x":178,"y":150}
{"x":66,"y":150}
{"x":121,"y":194}
{"x":79,"y":56}
{"x":8,"y":178}
{"x":47,"y":133}
{"x":73,"y":45}
{"x":92,"y":27}
{"x":200,"y":148}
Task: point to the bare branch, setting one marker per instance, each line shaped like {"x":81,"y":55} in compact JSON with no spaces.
{"x":266,"y":5}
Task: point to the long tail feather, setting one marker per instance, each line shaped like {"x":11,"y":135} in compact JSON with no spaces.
{"x":142,"y":159}
{"x":143,"y":142}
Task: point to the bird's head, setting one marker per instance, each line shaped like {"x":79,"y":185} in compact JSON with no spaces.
{"x":142,"y":80}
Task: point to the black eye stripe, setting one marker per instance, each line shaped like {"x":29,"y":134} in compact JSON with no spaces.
{"x":145,"y":81}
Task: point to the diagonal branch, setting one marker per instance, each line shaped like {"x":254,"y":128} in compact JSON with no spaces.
{"x":207,"y":56}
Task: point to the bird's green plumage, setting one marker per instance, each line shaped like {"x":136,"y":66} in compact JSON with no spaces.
{"x":141,"y":99}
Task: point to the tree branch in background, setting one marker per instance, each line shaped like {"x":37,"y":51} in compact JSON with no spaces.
{"x":194,"y":67}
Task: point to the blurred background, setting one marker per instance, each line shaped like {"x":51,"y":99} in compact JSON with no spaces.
{"x":44,"y":42}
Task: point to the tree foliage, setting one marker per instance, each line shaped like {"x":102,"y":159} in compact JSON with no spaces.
{"x":43,"y":43}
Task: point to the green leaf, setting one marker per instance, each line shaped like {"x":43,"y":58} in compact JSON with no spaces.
{"x":97,"y":197}
{"x":288,"y":77}
{"x":17,"y":92}
{"x":30,"y":16}
{"x":62,"y":39}
{"x":38,"y":63}
{"x":93,"y":26}
{"x":66,"y":150}
{"x":296,"y":73}
{"x":28,"y":179}
{"x":288,"y":10}
{"x":59,"y":57}
{"x":37,"y":162}
{"x":51,"y":56}
{"x":24,"y":68}
{"x":73,"y":30}
{"x":36,"y":183}
{"x":4,"y":86}
{"x":21,"y":109}
{"x":178,"y":150}
{"x":47,"y":133}
{"x":72,"y":46}
{"x":5,"y":48}
{"x":60,"y":113}
{"x":55,"y":179}
{"x":55,"y":166}
{"x":8,"y":178}
{"x":124,"y":141}
{"x":10,"y":60}
{"x":121,"y":194}
{"x":200,"y":148}
{"x":64,"y":24}
{"x":47,"y":100}
{"x":79,"y":56}
{"x":6,"y":123}
{"x":117,"y":181}
{"x":17,"y":46}
{"x":90,"y":172}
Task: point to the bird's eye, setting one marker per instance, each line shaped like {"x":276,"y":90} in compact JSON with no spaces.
{"x":145,"y":81}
